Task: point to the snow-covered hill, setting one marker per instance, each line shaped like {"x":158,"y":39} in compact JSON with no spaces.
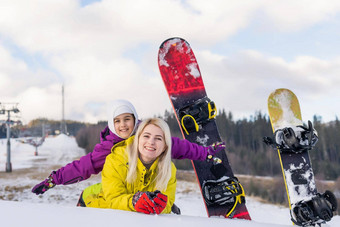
{"x":28,"y":214}
{"x":20,"y":207}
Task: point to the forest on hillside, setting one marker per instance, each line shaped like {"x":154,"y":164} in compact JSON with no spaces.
{"x":246,"y":152}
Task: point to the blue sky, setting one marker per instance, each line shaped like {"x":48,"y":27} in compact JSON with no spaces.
{"x":87,"y":2}
{"x":320,"y":40}
{"x":105,"y":50}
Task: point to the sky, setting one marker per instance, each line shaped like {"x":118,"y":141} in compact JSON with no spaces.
{"x":106,"y":50}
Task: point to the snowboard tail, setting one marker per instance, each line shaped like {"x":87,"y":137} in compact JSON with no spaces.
{"x":195,"y":114}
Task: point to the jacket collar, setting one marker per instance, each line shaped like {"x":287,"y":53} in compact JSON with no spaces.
{"x":141,"y":166}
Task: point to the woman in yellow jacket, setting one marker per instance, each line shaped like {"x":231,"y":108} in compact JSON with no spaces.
{"x":138,"y":175}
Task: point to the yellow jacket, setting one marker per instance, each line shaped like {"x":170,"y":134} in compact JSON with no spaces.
{"x":114,"y":192}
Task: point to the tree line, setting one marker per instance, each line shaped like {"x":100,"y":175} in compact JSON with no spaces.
{"x":248,"y":154}
{"x":40,"y":127}
{"x":245,"y":149}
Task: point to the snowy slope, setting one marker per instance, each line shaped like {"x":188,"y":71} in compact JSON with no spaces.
{"x":54,"y":215}
{"x":54,"y":151}
{"x":20,"y":207}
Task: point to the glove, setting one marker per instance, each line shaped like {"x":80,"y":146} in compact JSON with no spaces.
{"x":42,"y":187}
{"x":143,"y":202}
{"x":149,"y":202}
{"x":215,"y":148}
{"x":160,"y":201}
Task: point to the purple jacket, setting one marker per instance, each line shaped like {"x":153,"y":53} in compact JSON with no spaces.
{"x":93,"y":162}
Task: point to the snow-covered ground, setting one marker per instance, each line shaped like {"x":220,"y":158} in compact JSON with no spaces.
{"x":20,"y":207}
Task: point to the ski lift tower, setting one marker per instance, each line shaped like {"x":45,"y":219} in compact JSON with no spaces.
{"x":9,"y":107}
{"x":63,"y":128}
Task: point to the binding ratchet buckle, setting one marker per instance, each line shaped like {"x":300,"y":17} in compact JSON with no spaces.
{"x":196,"y":114}
{"x":225,"y":191}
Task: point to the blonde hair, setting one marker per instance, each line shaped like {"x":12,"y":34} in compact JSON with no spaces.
{"x":164,"y":162}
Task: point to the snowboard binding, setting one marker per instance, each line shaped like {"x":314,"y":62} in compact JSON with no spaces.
{"x":316,"y":211}
{"x":226,"y":190}
{"x":294,"y":139}
{"x":196,"y":114}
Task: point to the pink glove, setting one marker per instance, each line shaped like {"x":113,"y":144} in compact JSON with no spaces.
{"x":215,"y":148}
{"x":45,"y":185}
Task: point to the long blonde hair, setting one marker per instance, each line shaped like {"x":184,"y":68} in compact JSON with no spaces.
{"x":164,"y":162}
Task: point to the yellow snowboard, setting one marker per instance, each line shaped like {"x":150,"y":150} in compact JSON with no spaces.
{"x":284,"y":111}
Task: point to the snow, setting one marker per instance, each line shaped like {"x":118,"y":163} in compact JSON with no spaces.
{"x":32,"y":214}
{"x":20,"y":207}
{"x":55,"y":150}
{"x":288,"y":118}
{"x":203,"y":140}
{"x":299,"y":192}
{"x":179,"y":44}
{"x":165,"y":50}
{"x":194,"y":71}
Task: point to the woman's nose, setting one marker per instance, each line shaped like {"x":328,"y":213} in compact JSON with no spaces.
{"x":151,"y":140}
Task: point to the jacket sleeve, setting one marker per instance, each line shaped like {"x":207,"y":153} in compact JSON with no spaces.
{"x":82,"y":169}
{"x":171,"y":190}
{"x":183,"y":149}
{"x":113,"y":185}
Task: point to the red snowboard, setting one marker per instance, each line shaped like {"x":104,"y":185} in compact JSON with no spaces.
{"x":184,"y":84}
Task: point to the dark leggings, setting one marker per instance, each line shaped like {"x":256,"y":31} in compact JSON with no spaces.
{"x":81,"y":202}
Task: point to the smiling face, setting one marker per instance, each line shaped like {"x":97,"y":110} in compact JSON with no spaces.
{"x":151,"y":144}
{"x":124,"y":125}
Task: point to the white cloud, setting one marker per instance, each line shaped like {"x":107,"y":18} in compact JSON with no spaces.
{"x":85,"y":48}
{"x":37,"y":102}
{"x":290,"y":15}
{"x":55,"y":26}
{"x":242,"y":82}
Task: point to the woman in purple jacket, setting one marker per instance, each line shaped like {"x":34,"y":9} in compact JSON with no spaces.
{"x":122,"y":123}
